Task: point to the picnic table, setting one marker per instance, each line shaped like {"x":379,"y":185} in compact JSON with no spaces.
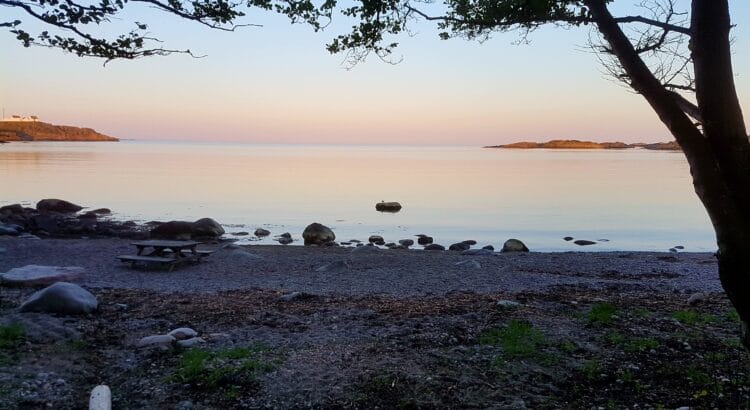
{"x":164,"y":253}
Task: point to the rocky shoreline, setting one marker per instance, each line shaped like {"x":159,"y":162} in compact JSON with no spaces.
{"x":42,"y":131}
{"x":576,"y":144}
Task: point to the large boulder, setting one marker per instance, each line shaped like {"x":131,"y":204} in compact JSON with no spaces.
{"x":175,"y":230}
{"x":37,"y":275}
{"x":317,"y":234}
{"x":207,"y":227}
{"x":57,"y":205}
{"x":11,"y":209}
{"x":514,"y":245}
{"x":62,"y":298}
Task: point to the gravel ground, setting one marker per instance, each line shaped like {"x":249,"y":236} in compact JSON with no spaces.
{"x":339,"y":271}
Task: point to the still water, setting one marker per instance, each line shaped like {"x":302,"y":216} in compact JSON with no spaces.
{"x":635,"y":199}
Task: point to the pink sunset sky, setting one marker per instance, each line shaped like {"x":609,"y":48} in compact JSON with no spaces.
{"x":277,"y":84}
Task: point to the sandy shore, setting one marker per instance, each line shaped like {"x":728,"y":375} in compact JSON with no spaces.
{"x":389,"y":329}
{"x":339,"y":271}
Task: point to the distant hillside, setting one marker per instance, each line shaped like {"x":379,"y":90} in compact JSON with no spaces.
{"x":576,"y":144}
{"x":42,"y":131}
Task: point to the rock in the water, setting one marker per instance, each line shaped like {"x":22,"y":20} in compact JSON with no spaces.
{"x":514,"y":245}
{"x":37,"y":275}
{"x":163,"y":342}
{"x":477,"y":252}
{"x":390,"y":245}
{"x":460,"y":246}
{"x":62,"y":298}
{"x":57,"y":205}
{"x":175,"y":230}
{"x":568,"y":238}
{"x":207,"y":228}
{"x":406,"y":242}
{"x":388,"y":206}
{"x":284,"y":240}
{"x":241,"y":233}
{"x":424,"y":240}
{"x":182,"y":333}
{"x":469,"y":242}
{"x":376,"y":239}
{"x":286,"y":235}
{"x":317,"y":234}
{"x":262,"y":232}
{"x":100,"y":398}
{"x":679,"y":247}
{"x":192,"y":342}
{"x":434,"y":247}
{"x":696,"y":298}
{"x":489,"y":248}
{"x":584,"y":242}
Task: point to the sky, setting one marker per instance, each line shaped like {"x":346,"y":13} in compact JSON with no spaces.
{"x":277,"y":84}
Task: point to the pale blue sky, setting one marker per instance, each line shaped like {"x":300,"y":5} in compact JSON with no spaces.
{"x":278,"y":84}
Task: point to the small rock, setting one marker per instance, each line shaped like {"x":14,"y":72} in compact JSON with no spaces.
{"x":100,"y":398}
{"x":514,"y":245}
{"x":584,"y":242}
{"x":241,"y":233}
{"x":62,"y":298}
{"x":406,"y":242}
{"x":470,"y":242}
{"x":192,"y":342}
{"x":284,"y":240}
{"x":673,"y":250}
{"x":162,"y":342}
{"x":376,"y":239}
{"x":508,"y":304}
{"x":286,"y":235}
{"x":183,"y":333}
{"x":489,"y":248}
{"x":696,"y":298}
{"x":679,"y":247}
{"x":390,"y":244}
{"x":460,"y":246}
{"x":434,"y":247}
{"x":388,"y":206}
{"x":568,"y":238}
{"x":424,"y":240}
{"x":317,"y":234}
{"x":262,"y":232}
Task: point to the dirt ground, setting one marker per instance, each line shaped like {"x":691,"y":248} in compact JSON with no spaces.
{"x":618,"y":342}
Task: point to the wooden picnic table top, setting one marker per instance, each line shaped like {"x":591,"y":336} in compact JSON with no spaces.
{"x":156,"y":243}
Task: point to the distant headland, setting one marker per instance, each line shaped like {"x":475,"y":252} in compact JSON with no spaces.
{"x":576,"y":144}
{"x":19,"y":128}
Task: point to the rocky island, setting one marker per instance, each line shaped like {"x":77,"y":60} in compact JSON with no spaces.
{"x":576,"y":144}
{"x":21,"y":129}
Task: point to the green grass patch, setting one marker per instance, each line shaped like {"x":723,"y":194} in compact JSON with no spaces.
{"x":691,"y":317}
{"x":640,"y":344}
{"x":591,"y":370}
{"x":11,"y":335}
{"x":733,"y":316}
{"x":614,"y":338}
{"x":601,"y":314}
{"x":226,"y":368}
{"x":518,"y":339}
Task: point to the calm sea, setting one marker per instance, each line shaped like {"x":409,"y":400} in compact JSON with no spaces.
{"x":634,"y":199}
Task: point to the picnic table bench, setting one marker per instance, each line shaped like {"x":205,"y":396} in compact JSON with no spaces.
{"x":164,"y":253}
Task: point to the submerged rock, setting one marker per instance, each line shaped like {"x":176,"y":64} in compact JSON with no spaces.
{"x":584,"y":242}
{"x":262,"y":232}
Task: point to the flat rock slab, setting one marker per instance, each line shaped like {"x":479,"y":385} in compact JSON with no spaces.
{"x":61,"y":298}
{"x":39,"y":275}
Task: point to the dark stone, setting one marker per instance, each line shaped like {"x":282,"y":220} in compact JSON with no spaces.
{"x":286,"y":235}
{"x":583,"y":242}
{"x":12,"y":209}
{"x":102,"y":211}
{"x":262,"y":232}
{"x":46,"y":223}
{"x":376,"y":239}
{"x":406,"y":242}
{"x":175,"y":230}
{"x":207,"y":228}
{"x":568,"y":238}
{"x":460,"y":246}
{"x":488,"y":248}
{"x":469,"y":242}
{"x":87,"y":215}
{"x":242,"y":233}
{"x":424,"y":240}
{"x":317,"y":234}
{"x":388,"y":206}
{"x":390,"y":244}
{"x":57,"y":205}
{"x":285,"y":241}
{"x":514,"y":245}
{"x":434,"y":247}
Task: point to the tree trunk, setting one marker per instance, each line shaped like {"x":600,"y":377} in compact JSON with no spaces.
{"x":719,"y":155}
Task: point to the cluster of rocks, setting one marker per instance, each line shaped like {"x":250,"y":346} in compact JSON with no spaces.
{"x":63,"y":219}
{"x":183,"y":337}
{"x":59,"y":218}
